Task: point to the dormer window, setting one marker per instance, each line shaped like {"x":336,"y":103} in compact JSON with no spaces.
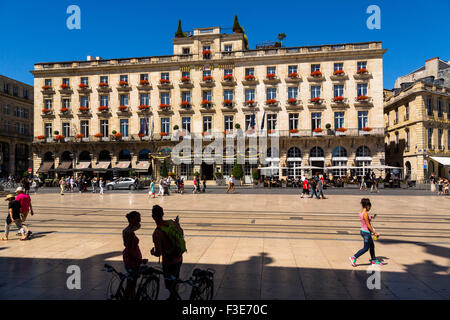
{"x":186,"y":50}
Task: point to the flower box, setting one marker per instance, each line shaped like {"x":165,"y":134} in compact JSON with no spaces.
{"x":143,"y":82}
{"x":362,"y":98}
{"x":207,"y":78}
{"x":228,"y":102}
{"x":315,"y":100}
{"x":103,"y":108}
{"x":185,"y":104}
{"x":141,"y":135}
{"x":339,"y":72}
{"x":82,"y":86}
{"x":118,"y":135}
{"x":59,"y":137}
{"x":271,"y":101}
{"x":64,"y":86}
{"x":143,"y":107}
{"x":164,"y":106}
{"x":366,"y":129}
{"x":362,"y":71}
{"x":228,"y":77}
{"x":79,"y":136}
{"x":123,"y":108}
{"x":45,"y":110}
{"x":292,"y":101}
{"x":318,"y":130}
{"x":123,"y":83}
{"x":206,"y":133}
{"x":40,"y":137}
{"x":83,"y":109}
{"x":271,"y":76}
{"x":341,"y":129}
{"x":271,"y":131}
{"x":227,"y":132}
{"x":185,"y":79}
{"x":164,"y":81}
{"x":293,"y":131}
{"x":293,"y":75}
{"x":338,"y":99}
{"x":250,"y":77}
{"x":64,"y":110}
{"x":46,"y":87}
{"x":206,"y":52}
{"x":316,"y":73}
{"x":206,"y":103}
{"x":103,"y":84}
{"x":250,"y":102}
{"x":98,"y":135}
{"x":163,"y":134}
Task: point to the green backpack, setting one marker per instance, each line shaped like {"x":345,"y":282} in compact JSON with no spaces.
{"x":176,"y":238}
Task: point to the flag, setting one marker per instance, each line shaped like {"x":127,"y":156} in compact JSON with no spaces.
{"x":153,"y":127}
{"x":262,"y":122}
{"x":251,"y":128}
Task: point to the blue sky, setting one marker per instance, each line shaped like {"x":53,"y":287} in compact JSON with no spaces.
{"x":35,"y":31}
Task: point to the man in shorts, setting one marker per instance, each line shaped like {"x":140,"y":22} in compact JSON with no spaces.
{"x":25,"y":205}
{"x":231,"y":183}
{"x":14,"y":216}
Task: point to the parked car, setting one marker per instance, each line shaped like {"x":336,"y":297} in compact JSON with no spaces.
{"x":122,"y":183}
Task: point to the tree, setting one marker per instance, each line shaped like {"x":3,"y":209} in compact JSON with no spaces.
{"x":236,"y":26}
{"x":237,"y":171}
{"x":281,"y":37}
{"x":164,"y":170}
{"x":180,"y":33}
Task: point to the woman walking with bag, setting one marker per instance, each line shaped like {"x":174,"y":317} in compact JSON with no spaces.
{"x":366,"y":233}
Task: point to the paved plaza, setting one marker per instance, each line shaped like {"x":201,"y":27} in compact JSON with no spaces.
{"x":262,"y":246}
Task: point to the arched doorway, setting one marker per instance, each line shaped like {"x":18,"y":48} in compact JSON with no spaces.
{"x":317,"y":159}
{"x":47,"y":165}
{"x":273,"y":162}
{"x":65,"y":164}
{"x":84,"y":164}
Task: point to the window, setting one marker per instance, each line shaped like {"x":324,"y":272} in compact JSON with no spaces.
{"x":248,"y":121}
{"x":316,"y":120}
{"x":207,"y":95}
{"x":186,"y":96}
{"x":363,"y":119}
{"x":228,"y":72}
{"x":315,"y":67}
{"x":439,"y":109}
{"x":165,"y":125}
{"x":48,"y":130}
{"x":66,"y":103}
{"x":206,"y":73}
{"x":396,"y":141}
{"x":249,"y":94}
{"x":440,"y":135}
{"x":15,"y":91}
{"x":292,"y":92}
{"x":338,"y":120}
{"x":66,"y":129}
{"x":6,"y":88}
{"x":271,"y":121}
{"x":293,"y":121}
{"x":207,"y":123}
{"x":124,"y":100}
{"x":186,"y":74}
{"x":407,"y":140}
{"x":338,"y":90}
{"x":124,"y":78}
{"x":429,"y":107}
{"x":338,"y":66}
{"x":144,"y":76}
{"x":186,"y":51}
{"x":249,"y":71}
{"x":48,"y":82}
{"x":143,"y":126}
{"x":228,"y":94}
{"x":84,"y":125}
{"x":104,"y":128}
{"x":124,"y":127}
{"x":361,"y":89}
{"x":26,"y":114}
{"x":25,"y":93}
{"x":66,"y":81}
{"x":84,"y":80}
{"x":228,"y":123}
{"x":48,"y":103}
{"x":186,"y":123}
{"x":430,"y":138}
{"x":292,"y":69}
{"x":271,"y":93}
{"x":361,"y":65}
{"x":165,"y":75}
{"x":104,"y":79}
{"x":6,"y":109}
{"x":165,"y":98}
{"x":104,"y":101}
{"x":315,"y":92}
{"x":186,"y":170}
{"x":228,"y":48}
{"x":271,"y":70}
{"x":396,"y":115}
{"x":84,"y":101}
{"x":407,"y":111}
{"x":144,"y":99}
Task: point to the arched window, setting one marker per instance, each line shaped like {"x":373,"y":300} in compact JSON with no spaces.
{"x":273,"y":152}
{"x":104,"y":155}
{"x":66,"y":156}
{"x":166,"y":150}
{"x":316,"y":152}
{"x":339,"y":152}
{"x":84,"y":156}
{"x":294,"y":152}
{"x":48,"y":156}
{"x":124,"y":155}
{"x":363,"y":151}
{"x":143,"y":155}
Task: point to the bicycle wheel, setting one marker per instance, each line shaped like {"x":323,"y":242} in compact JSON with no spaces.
{"x":115,"y":290}
{"x":204,"y":290}
{"x":149,"y":290}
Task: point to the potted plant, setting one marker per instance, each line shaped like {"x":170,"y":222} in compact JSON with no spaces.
{"x":185,"y":104}
{"x":316,"y":73}
{"x":293,"y":130}
{"x":270,"y":76}
{"x":328,"y":127}
{"x":206,"y":103}
{"x":123,"y":83}
{"x":164,"y":81}
{"x":362,"y":71}
{"x":367,"y":129}
{"x":315,"y":100}
{"x":79,"y":136}
{"x":250,"y":77}
{"x":317,"y":130}
{"x":83,"y":109}
{"x":143,"y":82}
{"x":98,"y":135}
{"x":46,"y":87}
{"x":250,"y":102}
{"x":164,"y":170}
{"x":103,"y":84}
{"x":338,"y":72}
{"x":220,"y":181}
{"x":41,"y":137}
{"x":163,"y":134}
{"x":228,"y":77}
{"x":59,"y":137}
{"x":185,"y":79}
{"x":164,"y":106}
{"x":292,"y":101}
{"x":103,"y":108}
{"x":362,"y":98}
{"x":45,"y":110}
{"x":338,"y":99}
{"x":207,"y":78}
{"x":293,"y":75}
{"x":176,"y":127}
{"x":117,"y":135}
{"x":143,"y":107}
{"x":64,"y":86}
{"x":255,"y":176}
{"x":228,"y":102}
{"x":206,"y":52}
{"x":237,"y":173}
{"x":82,"y":85}
{"x":341,"y":129}
{"x":64,"y":110}
{"x":123,"y":108}
{"x":271,"y":101}
{"x":237,"y":126}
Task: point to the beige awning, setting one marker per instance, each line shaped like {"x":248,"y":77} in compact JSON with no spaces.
{"x":142,"y":166}
{"x":64,"y":166}
{"x":102,"y":166}
{"x":83,"y":165}
{"x":45,"y":166}
{"x":445,"y":161}
{"x":122,"y":165}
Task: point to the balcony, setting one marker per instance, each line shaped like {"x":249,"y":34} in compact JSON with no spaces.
{"x":228,"y":81}
{"x":294,"y":104}
{"x":84,"y":112}
{"x":165,"y":84}
{"x":65,"y":113}
{"x":47,"y":113}
{"x":362,"y":74}
{"x":144,"y":85}
{"x":250,"y":80}
{"x":186,"y":83}
{"x":144,"y":109}
{"x":48,"y":90}
{"x":272,"y":102}
{"x":103,"y":87}
{"x":84,"y":89}
{"x":316,"y":103}
{"x":123,"y":86}
{"x":65,"y":89}
{"x":208,"y":82}
{"x":339,"y":102}
{"x":339,"y":75}
{"x":271,"y":79}
{"x":361,"y":101}
{"x":103,"y":111}
{"x":293,"y":77}
{"x":164,"y":109}
{"x":316,"y":76}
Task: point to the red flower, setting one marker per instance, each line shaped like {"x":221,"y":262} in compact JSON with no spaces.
{"x":40,"y":137}
{"x":250,"y":102}
{"x":123,"y":108}
{"x":140,"y":135}
{"x":163,"y":134}
{"x":228,"y":101}
{"x":102,"y":108}
{"x":98,"y":135}
{"x":118,"y":135}
{"x":316,"y":99}
{"x":338,"y":99}
{"x":46,"y":87}
{"x":164,"y":81}
{"x":143,"y":82}
{"x":163,"y":106}
{"x":45,"y":110}
{"x":59,"y":137}
{"x":206,"y":102}
{"x":341,"y":129}
{"x":271,"y":101}
{"x":123,"y":83}
{"x":185,"y":103}
{"x":207,"y":78}
{"x":338,"y":72}
{"x":82,"y":85}
{"x":228,"y":77}
{"x":316,"y":73}
{"x":205,"y":133}
{"x":249,"y":77}
{"x":292,"y":101}
{"x":79,"y":136}
{"x":362,"y":70}
{"x":270,"y":76}
{"x":64,"y":110}
{"x":317,"y":130}
{"x":367,"y":129}
{"x":206,"y":52}
{"x":185,"y":79}
{"x":143,"y":107}
{"x":83,"y":109}
{"x":64,"y":86}
{"x":102,"y":84}
{"x":270,"y":131}
{"x":359,"y":98}
{"x":293,"y":131}
{"x":227,"y":132}
{"x":293,"y":75}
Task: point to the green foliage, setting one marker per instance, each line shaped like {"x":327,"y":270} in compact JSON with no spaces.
{"x":281,"y":36}
{"x":237,"y":126}
{"x":114,"y":132}
{"x":328,"y":126}
{"x":196,"y":174}
{"x":218,"y":175}
{"x":237,"y":171}
{"x":164,"y":170}
{"x":180,"y":33}
{"x":255,"y":174}
{"x":56,"y":132}
{"x":132,"y":173}
{"x":176,"y":127}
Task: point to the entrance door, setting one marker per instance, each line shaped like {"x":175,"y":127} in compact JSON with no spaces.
{"x":317,"y":164}
{"x":207,"y":171}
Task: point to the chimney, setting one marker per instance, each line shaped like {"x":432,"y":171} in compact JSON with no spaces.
{"x":98,"y":58}
{"x":432,"y":65}
{"x":90,"y":58}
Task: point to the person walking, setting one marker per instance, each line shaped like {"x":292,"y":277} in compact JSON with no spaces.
{"x":62,"y":185}
{"x":305,"y":186}
{"x":101,"y":184}
{"x":14,"y":217}
{"x":166,"y":246}
{"x":195,"y":190}
{"x":230,"y":183}
{"x":132,"y":256}
{"x":363,"y":184}
{"x":161,"y":189}
{"x":366,"y":233}
{"x":313,"y":185}
{"x":320,"y":184}
{"x":204,"y":184}
{"x":25,"y":206}
{"x":151,"y":191}
{"x":94,"y":185}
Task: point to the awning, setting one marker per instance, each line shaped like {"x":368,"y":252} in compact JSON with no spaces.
{"x":445,"y":161}
{"x":142,"y":166}
{"x":83,"y":165}
{"x":45,"y":166}
{"x":102,"y":166}
{"x":64,"y":166}
{"x":122,"y":165}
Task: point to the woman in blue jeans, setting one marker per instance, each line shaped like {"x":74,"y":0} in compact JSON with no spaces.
{"x":366,"y":233}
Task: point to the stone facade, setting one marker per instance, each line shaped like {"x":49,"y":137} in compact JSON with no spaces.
{"x":16,"y":126}
{"x":216,"y":67}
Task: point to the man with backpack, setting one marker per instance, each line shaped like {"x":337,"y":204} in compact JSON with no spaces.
{"x":168,"y":239}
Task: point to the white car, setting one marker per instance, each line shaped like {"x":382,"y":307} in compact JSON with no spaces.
{"x":122,"y":183}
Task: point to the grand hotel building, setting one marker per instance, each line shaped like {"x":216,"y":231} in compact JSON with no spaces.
{"x":324,"y":103}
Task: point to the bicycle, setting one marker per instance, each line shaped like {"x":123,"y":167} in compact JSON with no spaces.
{"x":148,"y":288}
